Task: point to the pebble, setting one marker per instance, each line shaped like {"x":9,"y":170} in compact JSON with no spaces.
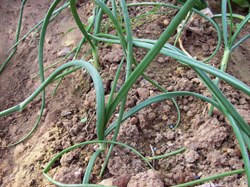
{"x":238,"y":152}
{"x":166,"y":22}
{"x":44,"y":112}
{"x":40,"y":157}
{"x":199,"y":174}
{"x":134,"y":120}
{"x":122,"y":180}
{"x":185,"y":108}
{"x":65,"y":113}
{"x":169,"y":135}
{"x":185,"y":101}
{"x":161,"y":60}
{"x":107,"y":182}
{"x":75,"y":118}
{"x":86,"y":103}
{"x":149,"y":178}
{"x":64,"y":52}
{"x":158,"y":152}
{"x":73,"y":131}
{"x":215,"y":110}
{"x":243,"y":101}
{"x":190,"y":114}
{"x":143,"y":92}
{"x":151,"y":116}
{"x":71,"y":56}
{"x":205,"y":47}
{"x":164,"y":117}
{"x":67,"y":159}
{"x":191,"y":156}
{"x":59,"y":124}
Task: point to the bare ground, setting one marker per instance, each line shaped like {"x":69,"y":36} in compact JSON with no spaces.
{"x":211,"y":146}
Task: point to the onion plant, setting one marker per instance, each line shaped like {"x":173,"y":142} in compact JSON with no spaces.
{"x":104,"y":112}
{"x":229,"y":37}
{"x":17,"y":35}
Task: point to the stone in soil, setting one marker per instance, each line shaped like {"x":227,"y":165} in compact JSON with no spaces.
{"x":211,"y":134}
{"x":146,"y":179}
{"x":191,"y":156}
{"x":122,"y":181}
{"x":64,"y":52}
{"x":72,"y":175}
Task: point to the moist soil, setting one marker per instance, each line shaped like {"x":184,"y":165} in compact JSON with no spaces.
{"x":211,"y":146}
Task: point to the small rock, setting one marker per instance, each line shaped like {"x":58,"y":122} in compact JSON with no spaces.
{"x":164,"y":117}
{"x":169,"y":135}
{"x":122,"y":181}
{"x":143,"y":92}
{"x":238,"y":152}
{"x":158,"y":137}
{"x":166,"y":22}
{"x":183,"y":84}
{"x":205,"y":47}
{"x":69,"y":175}
{"x":215,"y":110}
{"x":29,"y":84}
{"x":190,"y":113}
{"x":65,"y":144}
{"x":235,"y":163}
{"x":67,"y":159}
{"x":158,"y":152}
{"x":115,"y":56}
{"x":185,"y":108}
{"x":231,"y":152}
{"x":86,"y":103}
{"x":40,"y":157}
{"x":73,"y":131}
{"x":64,"y":52}
{"x":107,"y":182}
{"x":161,"y":60}
{"x":44,"y":112}
{"x":151,"y":116}
{"x":59,"y":124}
{"x":65,"y":113}
{"x":146,"y":179}
{"x":209,"y":134}
{"x":185,"y":102}
{"x":199,"y":174}
{"x":191,"y":156}
{"x":243,"y":101}
{"x":75,"y":118}
{"x":134,"y":120}
{"x":197,"y":121}
{"x":70,"y":57}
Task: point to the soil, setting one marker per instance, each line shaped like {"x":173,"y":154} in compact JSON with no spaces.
{"x":211,"y":146}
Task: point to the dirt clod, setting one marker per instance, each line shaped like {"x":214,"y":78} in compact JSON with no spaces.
{"x":72,"y":175}
{"x":146,"y":179}
{"x":122,"y":181}
{"x":64,"y":52}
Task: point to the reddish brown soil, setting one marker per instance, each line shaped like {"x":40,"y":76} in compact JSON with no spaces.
{"x":211,"y":146}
